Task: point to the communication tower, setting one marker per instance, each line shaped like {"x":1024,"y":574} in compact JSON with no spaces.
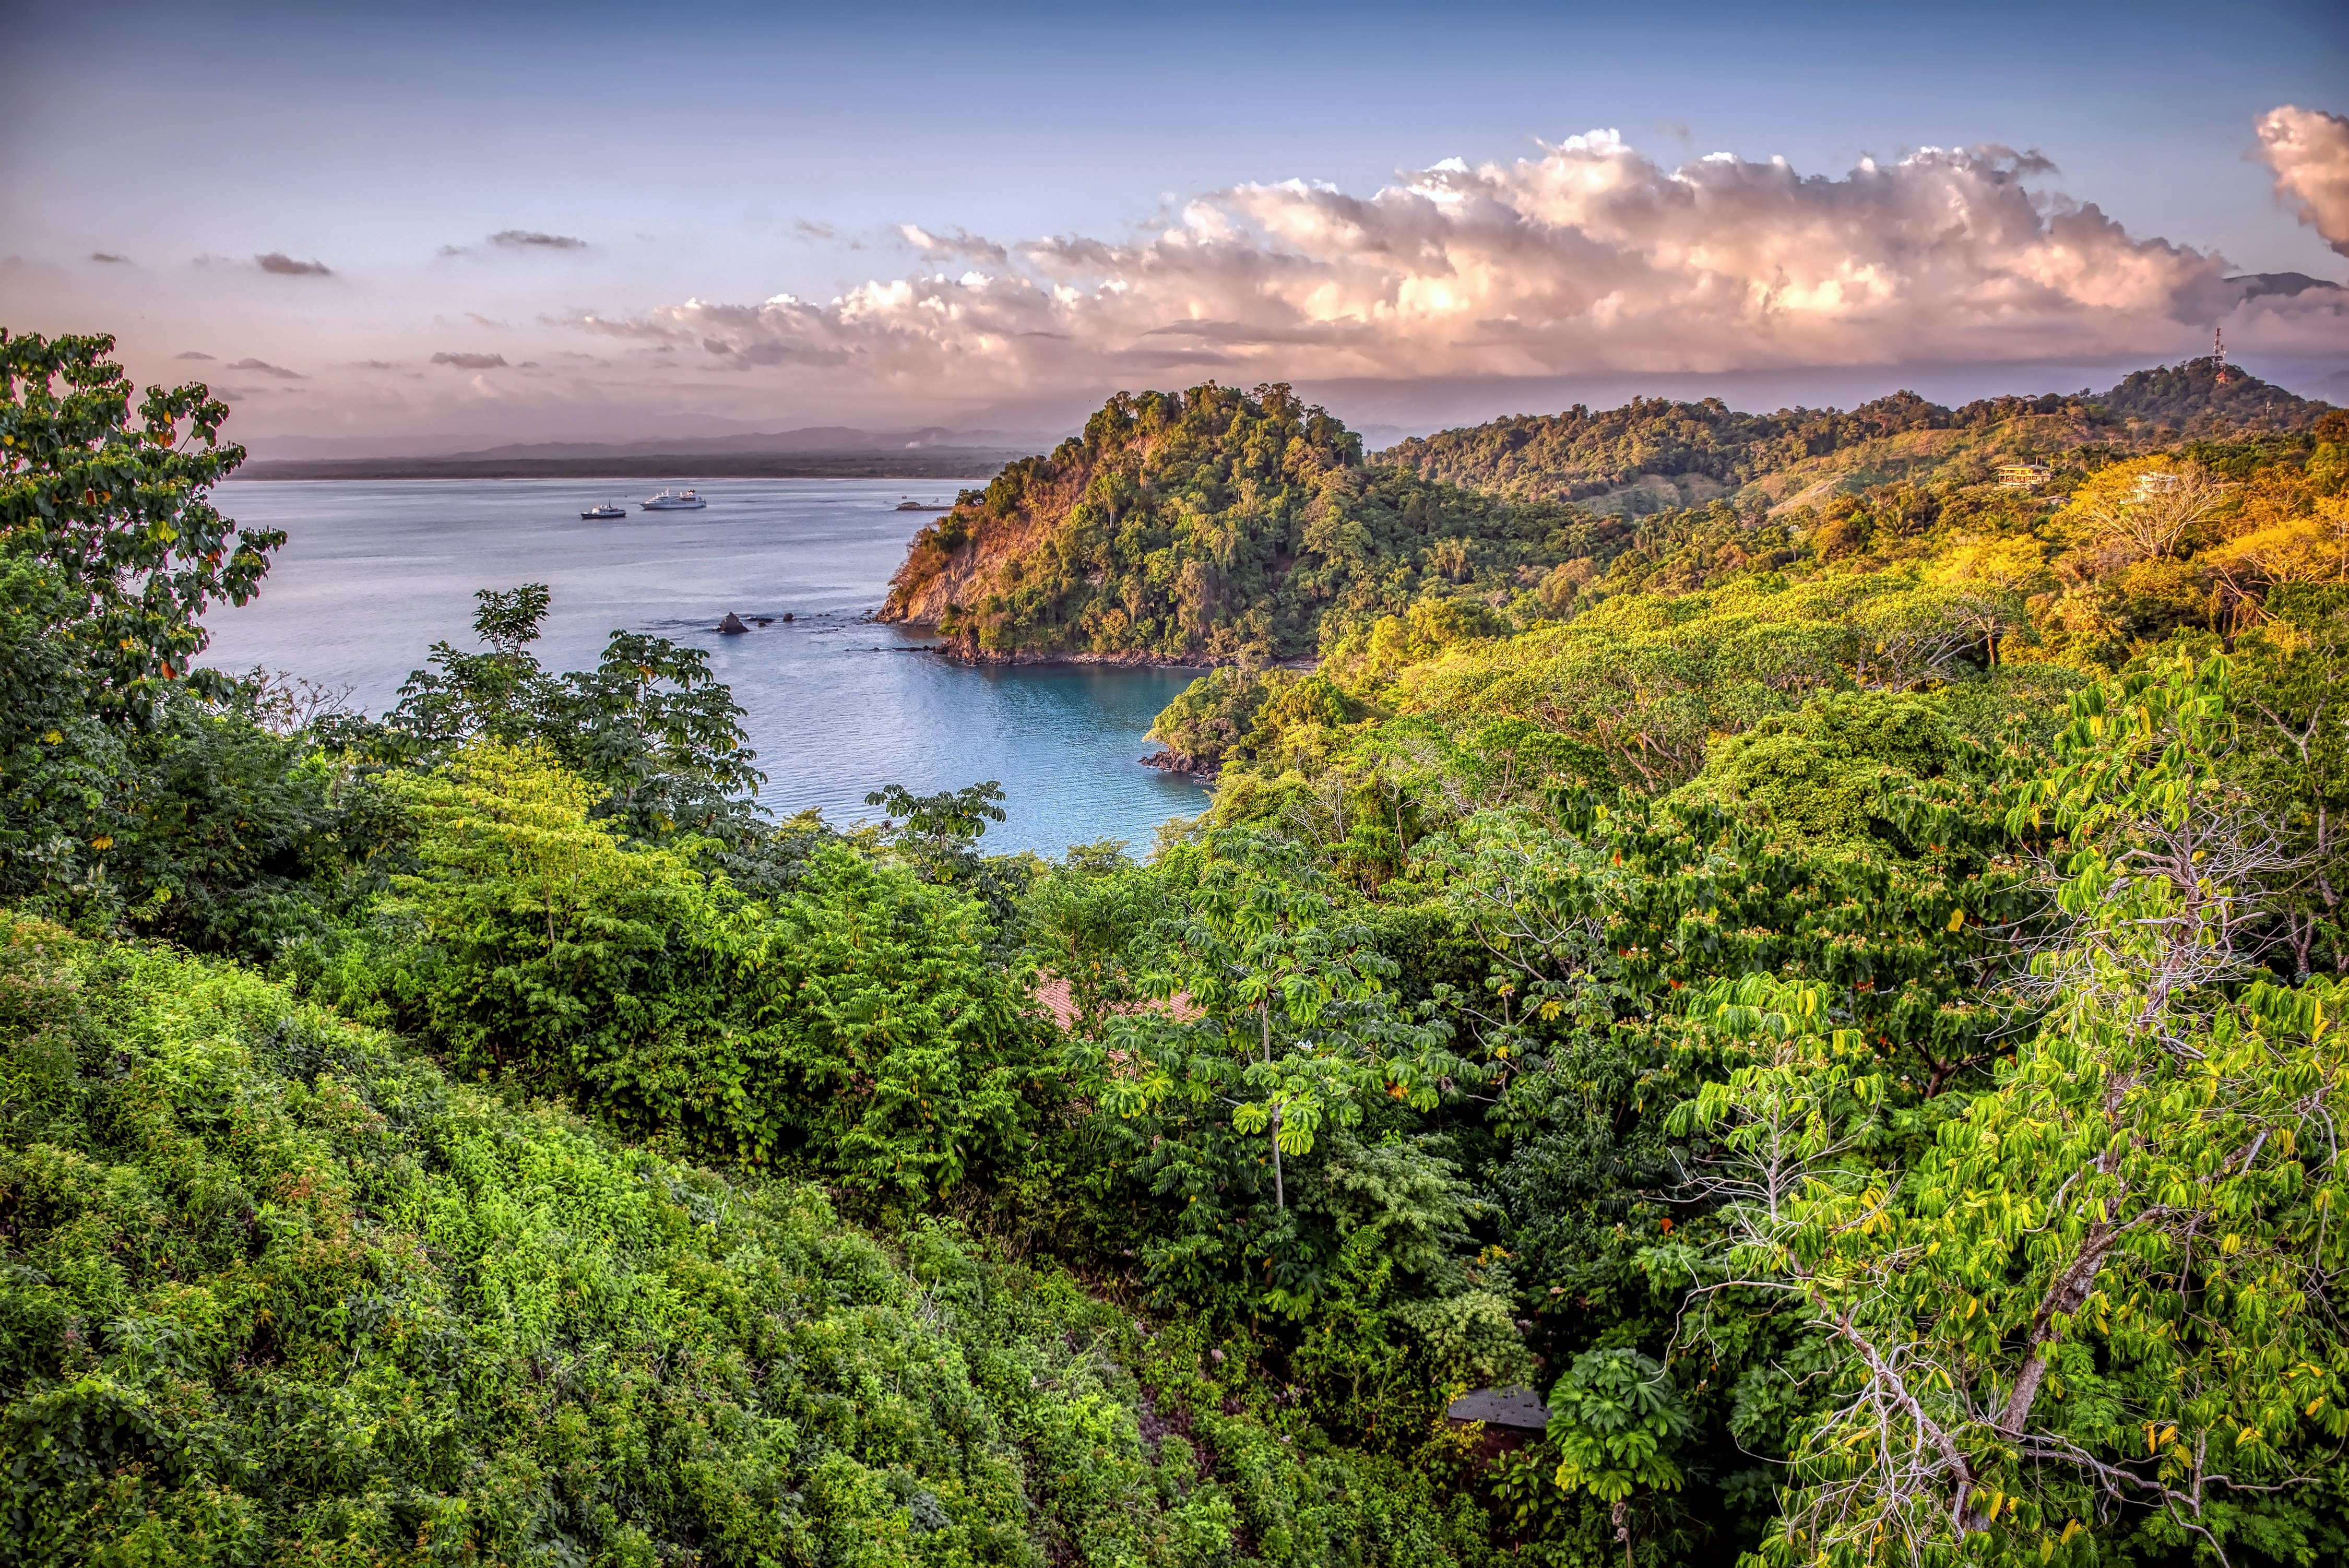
{"x":2219,"y":355}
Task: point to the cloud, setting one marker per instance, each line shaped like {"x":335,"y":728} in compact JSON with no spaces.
{"x":192,"y":354}
{"x":531,"y":239}
{"x":108,"y":256}
{"x":283,"y":265}
{"x":1589,"y":256}
{"x":965,"y":246}
{"x":264,"y":368}
{"x":484,"y":321}
{"x":455,"y":249}
{"x":2309,"y":150}
{"x":472,"y":361}
{"x":374,"y":365}
{"x":808,"y":229}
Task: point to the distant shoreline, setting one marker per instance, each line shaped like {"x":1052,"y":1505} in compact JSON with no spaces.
{"x":946,"y":463}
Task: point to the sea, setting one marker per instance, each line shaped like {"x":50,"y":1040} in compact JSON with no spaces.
{"x":838,"y":705}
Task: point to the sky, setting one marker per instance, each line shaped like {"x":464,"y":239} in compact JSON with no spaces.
{"x":431,"y":228}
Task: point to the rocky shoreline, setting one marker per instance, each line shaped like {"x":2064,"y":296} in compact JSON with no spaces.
{"x":961,"y":652}
{"x":1170,"y":761}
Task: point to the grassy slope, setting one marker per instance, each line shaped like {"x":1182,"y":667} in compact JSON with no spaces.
{"x":278,"y":1291}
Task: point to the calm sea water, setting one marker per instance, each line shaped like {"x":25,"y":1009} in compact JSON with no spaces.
{"x":373,"y":573}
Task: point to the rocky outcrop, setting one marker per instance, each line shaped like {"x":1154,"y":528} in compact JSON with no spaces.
{"x":732,"y":626}
{"x":1171,"y":762}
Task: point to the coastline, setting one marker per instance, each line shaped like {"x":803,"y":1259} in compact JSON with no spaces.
{"x":963,"y":466}
{"x":949,"y":648}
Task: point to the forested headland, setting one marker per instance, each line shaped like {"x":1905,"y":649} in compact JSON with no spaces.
{"x":1214,"y":525}
{"x":1830,"y":978}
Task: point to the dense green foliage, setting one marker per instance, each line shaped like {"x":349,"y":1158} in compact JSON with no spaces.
{"x":1586,"y":456}
{"x":1197,"y":526}
{"x":1580,"y":455}
{"x":1216,"y":526}
{"x":1835,"y":988}
{"x":278,"y":1292}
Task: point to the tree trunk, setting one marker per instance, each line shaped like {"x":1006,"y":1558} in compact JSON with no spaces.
{"x":1264,"y":1014}
{"x":1280,"y":1195}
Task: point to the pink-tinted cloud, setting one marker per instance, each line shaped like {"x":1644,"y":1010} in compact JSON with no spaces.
{"x":1588,"y":257}
{"x":2309,"y":150}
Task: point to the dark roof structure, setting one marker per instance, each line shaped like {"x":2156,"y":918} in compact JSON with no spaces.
{"x":1518,"y":1408}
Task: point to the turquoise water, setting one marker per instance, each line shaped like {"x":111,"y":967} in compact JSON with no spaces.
{"x":372,"y":573}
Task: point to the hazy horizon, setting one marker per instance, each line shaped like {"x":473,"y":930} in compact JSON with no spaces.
{"x":447,"y":229}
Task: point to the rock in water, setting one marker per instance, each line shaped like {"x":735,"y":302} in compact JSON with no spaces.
{"x":732,"y":626}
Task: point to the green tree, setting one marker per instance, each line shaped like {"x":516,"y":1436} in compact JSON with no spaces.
{"x":1616,"y":1419}
{"x":2294,"y":761}
{"x":649,"y":725}
{"x":2097,"y":1289}
{"x":855,"y":1023}
{"x":940,"y":831}
{"x":1273,"y":1017}
{"x":119,"y":515}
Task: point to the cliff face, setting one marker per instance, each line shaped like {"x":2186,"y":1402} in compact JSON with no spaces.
{"x":955,"y":561}
{"x":1192,"y":526}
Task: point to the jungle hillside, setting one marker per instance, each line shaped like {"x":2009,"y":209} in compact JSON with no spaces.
{"x":1820,"y":997}
{"x":1213,"y":525}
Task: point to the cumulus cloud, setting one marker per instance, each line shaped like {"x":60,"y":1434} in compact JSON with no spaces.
{"x":531,"y":239}
{"x":1587,"y":257}
{"x":192,"y":354}
{"x":262,"y":367}
{"x":108,"y":256}
{"x":283,"y":265}
{"x":2309,"y":150}
{"x":472,"y":361}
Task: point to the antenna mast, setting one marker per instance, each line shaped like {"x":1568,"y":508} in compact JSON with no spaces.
{"x":2218,"y":355}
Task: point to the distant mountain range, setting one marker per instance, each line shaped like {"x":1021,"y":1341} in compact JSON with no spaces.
{"x":818,"y":451}
{"x":2179,"y":401}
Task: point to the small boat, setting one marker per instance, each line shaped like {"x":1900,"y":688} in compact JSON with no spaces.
{"x":676,"y":501}
{"x":604,"y":513}
{"x":911,"y":505}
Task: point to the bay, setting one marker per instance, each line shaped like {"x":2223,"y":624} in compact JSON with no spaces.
{"x":372,"y":573}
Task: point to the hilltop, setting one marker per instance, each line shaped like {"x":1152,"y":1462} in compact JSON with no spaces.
{"x":1204,"y":525}
{"x":1216,"y":526}
{"x":1652,"y":453}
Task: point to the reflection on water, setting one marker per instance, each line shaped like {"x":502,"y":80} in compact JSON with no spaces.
{"x":372,"y":573}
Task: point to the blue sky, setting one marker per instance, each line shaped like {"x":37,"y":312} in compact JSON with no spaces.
{"x":722,"y":156}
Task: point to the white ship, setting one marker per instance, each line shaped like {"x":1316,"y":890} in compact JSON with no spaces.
{"x":676,"y":501}
{"x":604,"y":513}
